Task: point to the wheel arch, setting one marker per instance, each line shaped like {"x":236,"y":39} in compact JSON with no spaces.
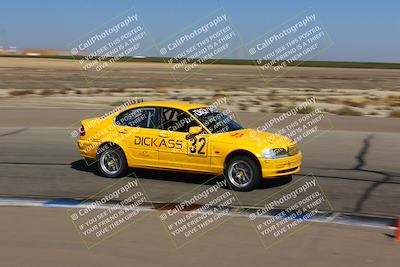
{"x":106,"y":145}
{"x":241,"y":152}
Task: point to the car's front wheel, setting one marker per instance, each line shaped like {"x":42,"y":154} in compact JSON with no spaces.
{"x":242,"y":173}
{"x":112,"y":162}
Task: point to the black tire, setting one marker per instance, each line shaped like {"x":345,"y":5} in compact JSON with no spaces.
{"x":249,"y":175}
{"x":111,"y":161}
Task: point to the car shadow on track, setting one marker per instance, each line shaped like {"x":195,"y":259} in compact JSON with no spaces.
{"x":174,"y":176}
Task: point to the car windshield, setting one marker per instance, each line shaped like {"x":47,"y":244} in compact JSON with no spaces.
{"x":216,"y":121}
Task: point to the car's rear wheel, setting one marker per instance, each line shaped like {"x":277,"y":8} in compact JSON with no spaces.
{"x":242,"y":173}
{"x":112,"y":162}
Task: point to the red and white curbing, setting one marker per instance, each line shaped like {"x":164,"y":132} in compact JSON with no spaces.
{"x":335,"y":218}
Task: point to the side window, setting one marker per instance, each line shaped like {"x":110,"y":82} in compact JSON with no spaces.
{"x":138,"y":117}
{"x":176,"y":120}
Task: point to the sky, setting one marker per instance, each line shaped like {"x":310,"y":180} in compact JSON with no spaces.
{"x":367,"y":31}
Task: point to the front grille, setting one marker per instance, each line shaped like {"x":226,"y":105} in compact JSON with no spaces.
{"x":287,"y":170}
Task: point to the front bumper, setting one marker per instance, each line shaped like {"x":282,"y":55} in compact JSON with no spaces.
{"x":278,"y":167}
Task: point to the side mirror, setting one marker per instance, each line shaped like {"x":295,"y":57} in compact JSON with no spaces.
{"x":195,"y":130}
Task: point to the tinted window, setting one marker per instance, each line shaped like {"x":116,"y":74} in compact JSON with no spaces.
{"x":176,"y":120}
{"x":138,"y":117}
{"x":216,"y":121}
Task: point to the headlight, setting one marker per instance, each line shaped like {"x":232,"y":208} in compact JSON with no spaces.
{"x":293,"y":150}
{"x":268,"y":154}
{"x":274,"y":153}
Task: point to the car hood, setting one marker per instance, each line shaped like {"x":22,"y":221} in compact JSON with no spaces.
{"x":254,"y":137}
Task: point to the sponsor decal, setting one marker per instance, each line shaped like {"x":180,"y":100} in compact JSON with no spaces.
{"x":237,"y":135}
{"x":158,"y":142}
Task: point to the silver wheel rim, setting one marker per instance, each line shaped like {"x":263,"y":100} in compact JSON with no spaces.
{"x":240,"y":173}
{"x":110,"y":162}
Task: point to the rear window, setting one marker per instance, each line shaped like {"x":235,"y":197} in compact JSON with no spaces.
{"x":176,"y":120}
{"x":138,"y":117}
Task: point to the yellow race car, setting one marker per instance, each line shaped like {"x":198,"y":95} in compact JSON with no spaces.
{"x":186,"y":137}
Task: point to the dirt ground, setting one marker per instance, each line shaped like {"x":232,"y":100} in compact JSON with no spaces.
{"x":345,"y":91}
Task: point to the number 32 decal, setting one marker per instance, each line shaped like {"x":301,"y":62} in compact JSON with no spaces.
{"x":197,"y":146}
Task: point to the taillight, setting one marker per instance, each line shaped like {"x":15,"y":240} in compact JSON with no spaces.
{"x":82,"y":131}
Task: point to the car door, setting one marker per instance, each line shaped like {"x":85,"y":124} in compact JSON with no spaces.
{"x":177,"y":152}
{"x":139,"y":130}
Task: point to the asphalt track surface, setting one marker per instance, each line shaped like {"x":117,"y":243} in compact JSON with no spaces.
{"x":46,"y":237}
{"x":357,"y":169}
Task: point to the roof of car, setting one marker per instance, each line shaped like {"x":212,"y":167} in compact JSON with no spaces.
{"x":172,"y":104}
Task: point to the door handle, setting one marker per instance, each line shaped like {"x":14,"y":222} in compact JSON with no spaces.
{"x":123,"y":130}
{"x":163,"y":135}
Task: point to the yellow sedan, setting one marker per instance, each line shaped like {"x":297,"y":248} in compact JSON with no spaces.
{"x":186,"y":137}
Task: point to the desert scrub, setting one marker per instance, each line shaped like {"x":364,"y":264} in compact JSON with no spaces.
{"x":21,"y":92}
{"x":353,"y":103}
{"x":45,"y":92}
{"x":347,"y":112}
{"x":395,"y":113}
{"x":305,"y":110}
